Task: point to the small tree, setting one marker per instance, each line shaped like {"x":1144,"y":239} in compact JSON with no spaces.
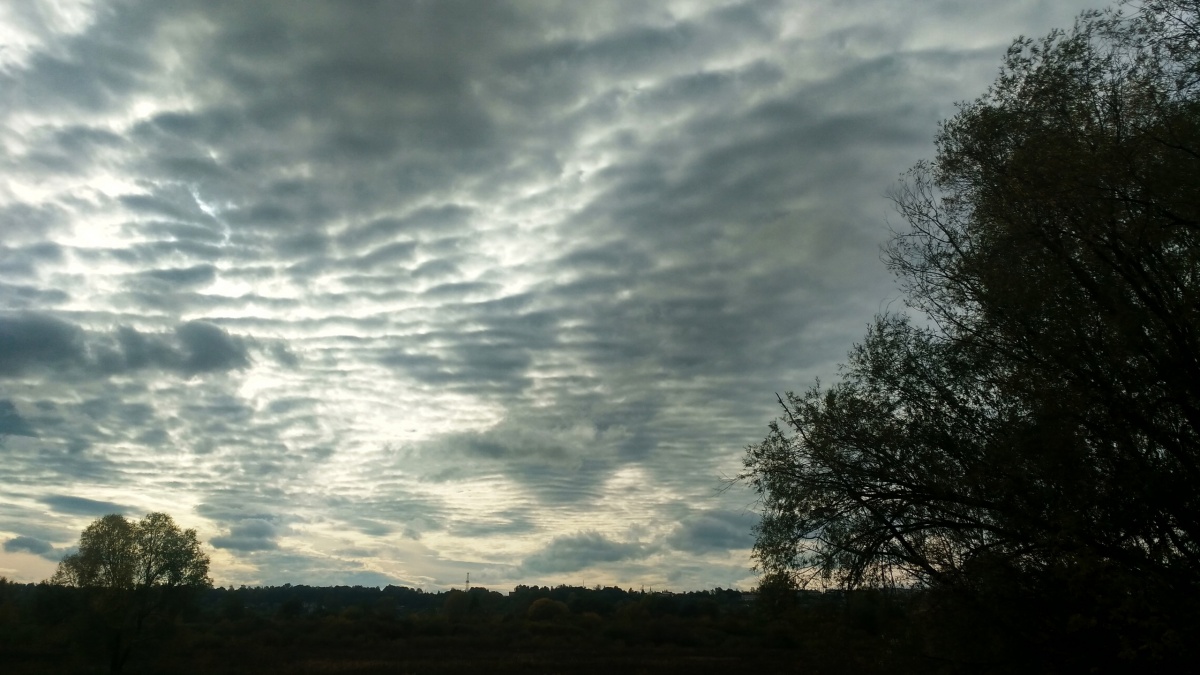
{"x":135,"y":571}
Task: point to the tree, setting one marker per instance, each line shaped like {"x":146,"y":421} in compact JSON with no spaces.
{"x":135,"y":571}
{"x":1032,"y":446}
{"x":547,"y":609}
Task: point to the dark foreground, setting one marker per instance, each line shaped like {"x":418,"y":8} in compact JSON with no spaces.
{"x":441,"y":660}
{"x":352,"y":630}
{"x":362,"y":631}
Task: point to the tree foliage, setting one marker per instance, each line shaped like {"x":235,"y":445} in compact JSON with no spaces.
{"x":136,"y":572}
{"x":1036,"y":434}
{"x":115,"y":553}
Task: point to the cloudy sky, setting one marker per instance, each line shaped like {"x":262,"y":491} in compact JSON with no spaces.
{"x":390,"y":292}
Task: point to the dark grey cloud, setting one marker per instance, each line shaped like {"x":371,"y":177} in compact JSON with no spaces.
{"x":20,"y":296}
{"x":558,"y":460}
{"x":30,"y":223}
{"x":23,"y":261}
{"x":93,"y":70}
{"x":578,"y":551}
{"x":207,"y":348}
{"x":11,"y":422}
{"x":195,"y":275}
{"x":36,"y":340}
{"x":42,"y":549}
{"x":228,"y":506}
{"x":39,"y":343}
{"x":442,"y":220}
{"x":396,"y":511}
{"x":64,"y":453}
{"x":81,"y":506}
{"x":250,"y":534}
{"x":713,"y":531}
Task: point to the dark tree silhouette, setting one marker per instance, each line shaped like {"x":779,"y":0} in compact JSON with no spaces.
{"x":1034,"y":441}
{"x":134,"y":571}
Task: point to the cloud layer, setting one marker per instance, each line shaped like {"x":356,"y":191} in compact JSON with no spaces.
{"x":397,"y":291}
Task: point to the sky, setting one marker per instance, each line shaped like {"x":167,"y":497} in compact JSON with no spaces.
{"x":376,"y":293}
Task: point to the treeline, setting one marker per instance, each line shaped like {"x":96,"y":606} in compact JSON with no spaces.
{"x":47,"y":628}
{"x":477,"y":603}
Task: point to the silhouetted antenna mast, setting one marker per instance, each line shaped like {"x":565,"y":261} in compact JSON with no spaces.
{"x":468,"y":586}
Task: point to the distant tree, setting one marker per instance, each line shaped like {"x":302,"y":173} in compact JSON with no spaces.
{"x":134,"y":571}
{"x":546,"y":609}
{"x":8,"y":609}
{"x":1031,"y":448}
{"x":776,"y":594}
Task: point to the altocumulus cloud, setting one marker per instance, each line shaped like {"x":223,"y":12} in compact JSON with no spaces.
{"x":457,"y":286}
{"x":81,"y":506}
{"x":251,"y":534}
{"x":713,"y":531}
{"x":11,"y":422}
{"x":579,"y":551}
{"x":32,"y":343}
{"x":24,"y":544}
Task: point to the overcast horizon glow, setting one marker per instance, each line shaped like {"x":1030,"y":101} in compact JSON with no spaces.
{"x":388,"y":293}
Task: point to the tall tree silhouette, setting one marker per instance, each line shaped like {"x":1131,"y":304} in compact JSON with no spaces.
{"x":1034,"y":440}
